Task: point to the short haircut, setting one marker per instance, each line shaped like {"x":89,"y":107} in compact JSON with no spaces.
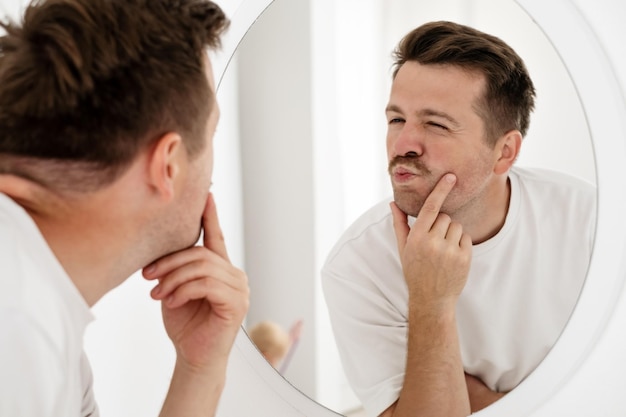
{"x":509,"y":95}
{"x":89,"y":83}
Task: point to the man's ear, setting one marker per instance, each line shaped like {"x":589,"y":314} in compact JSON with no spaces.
{"x":508,"y":147}
{"x":164,"y":164}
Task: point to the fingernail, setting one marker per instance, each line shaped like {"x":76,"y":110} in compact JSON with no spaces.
{"x":150,"y":268}
{"x":451,"y":178}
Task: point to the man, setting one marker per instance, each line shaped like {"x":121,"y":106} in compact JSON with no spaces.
{"x":447,"y":297}
{"x":107,"y":114}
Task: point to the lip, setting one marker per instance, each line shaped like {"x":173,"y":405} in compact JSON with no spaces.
{"x":403,"y":178}
{"x":402,"y":174}
{"x":402,"y":170}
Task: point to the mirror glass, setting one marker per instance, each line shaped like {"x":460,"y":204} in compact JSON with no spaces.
{"x":312,"y":80}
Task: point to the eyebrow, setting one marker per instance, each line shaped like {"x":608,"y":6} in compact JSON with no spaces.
{"x":425,"y":112}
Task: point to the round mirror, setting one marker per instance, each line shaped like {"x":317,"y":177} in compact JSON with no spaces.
{"x":311,"y":81}
{"x":584,"y":50}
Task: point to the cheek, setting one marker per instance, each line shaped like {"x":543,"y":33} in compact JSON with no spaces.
{"x":389,"y":144}
{"x":206,"y":169}
{"x":471,"y":182}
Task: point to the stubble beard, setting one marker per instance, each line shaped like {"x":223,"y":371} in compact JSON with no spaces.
{"x":409,"y":201}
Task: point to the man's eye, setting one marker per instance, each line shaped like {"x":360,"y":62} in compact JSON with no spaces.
{"x":437,"y":125}
{"x":395,"y":120}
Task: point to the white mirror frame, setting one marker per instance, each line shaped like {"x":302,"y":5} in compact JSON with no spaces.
{"x":582,"y":374}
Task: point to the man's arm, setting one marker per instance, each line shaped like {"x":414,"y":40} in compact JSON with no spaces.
{"x":204,"y":300}
{"x":480,"y":395}
{"x":435,"y":256}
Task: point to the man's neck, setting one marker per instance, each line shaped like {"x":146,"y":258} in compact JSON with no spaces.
{"x":83,"y":234}
{"x":484,"y":221}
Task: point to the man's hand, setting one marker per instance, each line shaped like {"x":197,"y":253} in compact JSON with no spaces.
{"x":204,"y":297}
{"x":435,"y":256}
{"x":435,"y":253}
{"x":204,"y":301}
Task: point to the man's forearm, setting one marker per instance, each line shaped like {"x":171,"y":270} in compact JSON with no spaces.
{"x":435,"y":254}
{"x":193,"y":393}
{"x":434,"y":382}
{"x":480,"y":395}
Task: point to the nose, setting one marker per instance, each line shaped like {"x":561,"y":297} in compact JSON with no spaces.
{"x":407,"y":141}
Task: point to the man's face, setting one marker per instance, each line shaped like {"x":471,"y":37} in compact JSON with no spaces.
{"x":432,"y":129}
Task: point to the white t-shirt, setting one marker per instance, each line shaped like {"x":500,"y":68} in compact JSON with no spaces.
{"x":43,"y":370}
{"x":522,"y":286}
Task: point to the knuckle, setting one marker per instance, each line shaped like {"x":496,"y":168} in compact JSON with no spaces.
{"x":430,"y":206}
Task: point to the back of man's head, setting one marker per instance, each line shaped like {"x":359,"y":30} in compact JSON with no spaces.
{"x":86,"y":84}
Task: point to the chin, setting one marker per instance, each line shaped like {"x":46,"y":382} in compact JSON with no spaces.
{"x":193,"y":239}
{"x":185,"y":241}
{"x":409,"y":202}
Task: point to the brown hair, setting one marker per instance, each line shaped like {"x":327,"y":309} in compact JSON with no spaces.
{"x":509,"y":94}
{"x":88,"y":83}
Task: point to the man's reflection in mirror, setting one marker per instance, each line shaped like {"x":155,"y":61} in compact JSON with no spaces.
{"x":446,"y":297}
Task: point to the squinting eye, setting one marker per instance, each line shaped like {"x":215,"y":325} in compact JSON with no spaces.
{"x":395,"y":120}
{"x":437,"y":125}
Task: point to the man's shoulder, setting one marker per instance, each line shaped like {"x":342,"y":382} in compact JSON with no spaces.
{"x":559,"y":200}
{"x":35,"y":285}
{"x":542,"y":177}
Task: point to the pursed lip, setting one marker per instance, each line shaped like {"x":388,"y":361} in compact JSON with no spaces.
{"x":402,"y":173}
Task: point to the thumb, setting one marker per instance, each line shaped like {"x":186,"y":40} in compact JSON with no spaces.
{"x":213,"y":236}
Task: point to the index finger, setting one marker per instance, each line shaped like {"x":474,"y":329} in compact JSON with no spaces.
{"x":432,"y":205}
{"x":213,"y":236}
